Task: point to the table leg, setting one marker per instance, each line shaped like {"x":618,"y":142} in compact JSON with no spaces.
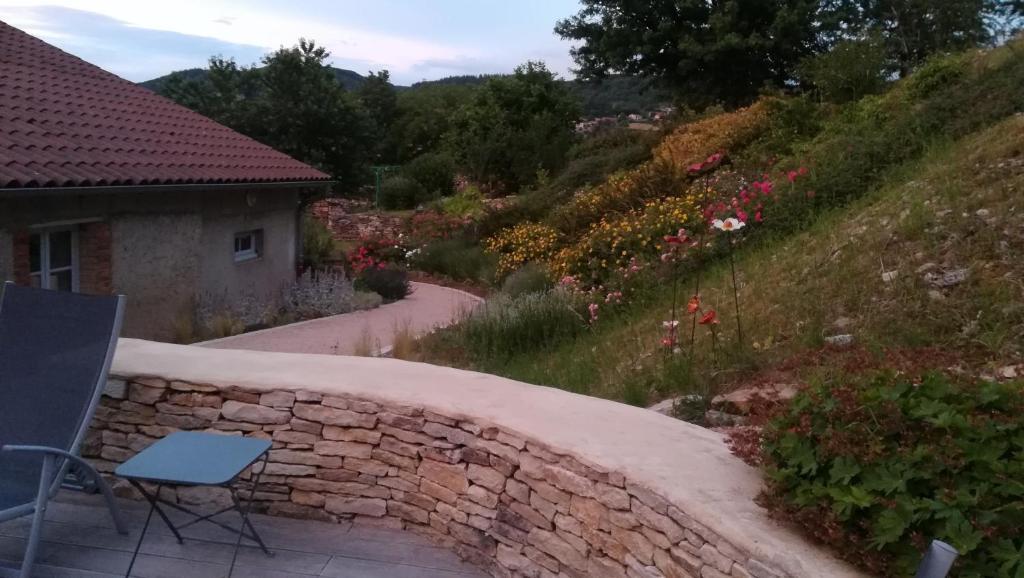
{"x":142,"y":534}
{"x":244,"y":512}
{"x":154,"y":500}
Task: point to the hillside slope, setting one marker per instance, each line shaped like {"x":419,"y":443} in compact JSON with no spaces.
{"x":901,"y":233}
{"x":931,"y":262}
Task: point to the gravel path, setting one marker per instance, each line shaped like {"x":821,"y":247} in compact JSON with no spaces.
{"x":427,"y":308}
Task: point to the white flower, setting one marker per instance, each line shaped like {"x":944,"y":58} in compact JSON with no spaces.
{"x":670,"y":324}
{"x":730,"y":224}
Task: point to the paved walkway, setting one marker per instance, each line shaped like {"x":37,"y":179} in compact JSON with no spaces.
{"x":427,"y":308}
{"x":79,"y":541}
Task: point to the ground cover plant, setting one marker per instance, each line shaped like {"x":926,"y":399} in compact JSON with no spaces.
{"x":879,"y":466}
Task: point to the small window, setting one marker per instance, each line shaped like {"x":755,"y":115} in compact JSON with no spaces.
{"x":248,"y":245}
{"x":53,"y":259}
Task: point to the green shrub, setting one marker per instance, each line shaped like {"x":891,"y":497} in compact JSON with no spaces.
{"x":400,"y":192}
{"x":468,"y":203}
{"x":531,"y":278}
{"x":880,"y":467}
{"x":390,"y":282}
{"x":503,"y":326}
{"x":318,"y":245}
{"x":850,"y":71}
{"x":435,"y":172}
{"x":456,"y":258}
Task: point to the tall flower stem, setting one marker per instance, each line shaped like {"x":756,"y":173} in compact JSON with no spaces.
{"x":735,"y":294}
{"x":698,"y":261}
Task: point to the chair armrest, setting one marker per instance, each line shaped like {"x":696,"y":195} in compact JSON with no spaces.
{"x":50,"y":451}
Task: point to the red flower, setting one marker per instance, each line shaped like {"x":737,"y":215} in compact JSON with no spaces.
{"x":802,"y":171}
{"x":694,"y":305}
{"x":757,"y":217}
{"x":695,"y":168}
{"x":678,"y":239}
{"x":791,"y":175}
{"x":710,"y":318}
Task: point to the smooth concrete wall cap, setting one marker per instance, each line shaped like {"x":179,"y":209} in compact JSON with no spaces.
{"x":686,"y":464}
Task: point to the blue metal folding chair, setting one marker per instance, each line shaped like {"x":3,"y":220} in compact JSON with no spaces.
{"x":55,"y":353}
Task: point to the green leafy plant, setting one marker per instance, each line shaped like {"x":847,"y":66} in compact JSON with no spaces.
{"x":318,"y":245}
{"x":390,"y":282}
{"x":401,"y":192}
{"x":504,"y":326}
{"x":882,"y":466}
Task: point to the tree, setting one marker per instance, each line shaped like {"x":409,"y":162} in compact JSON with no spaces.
{"x":292,"y":103}
{"x":726,"y":51}
{"x":380,"y":100}
{"x":304,"y":112}
{"x":514,"y":127}
{"x":424,"y":117}
{"x":706,"y":51}
{"x":224,"y":93}
{"x":915,"y":29}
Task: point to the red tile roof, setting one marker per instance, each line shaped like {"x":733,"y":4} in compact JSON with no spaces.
{"x":67,"y":123}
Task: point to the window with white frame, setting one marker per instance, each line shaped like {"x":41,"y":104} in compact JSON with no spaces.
{"x":53,"y":259}
{"x":248,"y":245}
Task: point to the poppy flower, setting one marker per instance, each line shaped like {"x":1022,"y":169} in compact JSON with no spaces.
{"x":709,"y":318}
{"x":694,"y":305}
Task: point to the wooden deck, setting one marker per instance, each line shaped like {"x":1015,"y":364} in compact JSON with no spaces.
{"x":79,"y":540}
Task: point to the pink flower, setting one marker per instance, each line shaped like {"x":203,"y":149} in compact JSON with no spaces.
{"x":802,"y":171}
{"x":592,"y":309}
{"x":791,"y":175}
{"x":757,"y":217}
{"x":742,"y":215}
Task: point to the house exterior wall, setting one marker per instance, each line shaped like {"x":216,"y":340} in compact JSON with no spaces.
{"x":155,"y":262}
{"x":258,"y":279}
{"x":6,"y":257}
{"x":165,"y":251}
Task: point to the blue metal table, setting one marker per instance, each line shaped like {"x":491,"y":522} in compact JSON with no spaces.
{"x":197,"y":459}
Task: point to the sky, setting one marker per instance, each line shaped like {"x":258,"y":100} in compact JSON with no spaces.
{"x":413,"y":39}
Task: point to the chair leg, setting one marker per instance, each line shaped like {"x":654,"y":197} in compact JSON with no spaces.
{"x":42,"y":498}
{"x":115,"y":510}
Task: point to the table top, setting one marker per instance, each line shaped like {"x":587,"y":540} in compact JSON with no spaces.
{"x":194,"y":459}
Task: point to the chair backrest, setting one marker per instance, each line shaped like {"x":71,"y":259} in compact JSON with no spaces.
{"x":55,"y":352}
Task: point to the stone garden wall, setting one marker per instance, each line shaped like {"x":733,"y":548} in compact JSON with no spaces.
{"x":513,"y":504}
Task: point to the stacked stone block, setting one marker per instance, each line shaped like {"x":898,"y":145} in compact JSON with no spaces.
{"x":510,"y":504}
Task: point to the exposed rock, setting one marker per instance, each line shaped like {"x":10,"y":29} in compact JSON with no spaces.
{"x":843,"y":340}
{"x":739,"y":402}
{"x":946,"y":279}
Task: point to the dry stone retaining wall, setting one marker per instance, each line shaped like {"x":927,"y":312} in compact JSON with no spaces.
{"x":507,"y":503}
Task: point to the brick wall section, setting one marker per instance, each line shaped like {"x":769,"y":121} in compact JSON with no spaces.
{"x":95,"y":265}
{"x":513,"y":506}
{"x":20,"y":256}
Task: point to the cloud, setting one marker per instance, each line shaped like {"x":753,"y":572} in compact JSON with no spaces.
{"x":142,"y":40}
{"x":130,"y":52}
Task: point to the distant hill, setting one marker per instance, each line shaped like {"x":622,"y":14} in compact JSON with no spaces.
{"x":610,"y":97}
{"x":350,"y":79}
